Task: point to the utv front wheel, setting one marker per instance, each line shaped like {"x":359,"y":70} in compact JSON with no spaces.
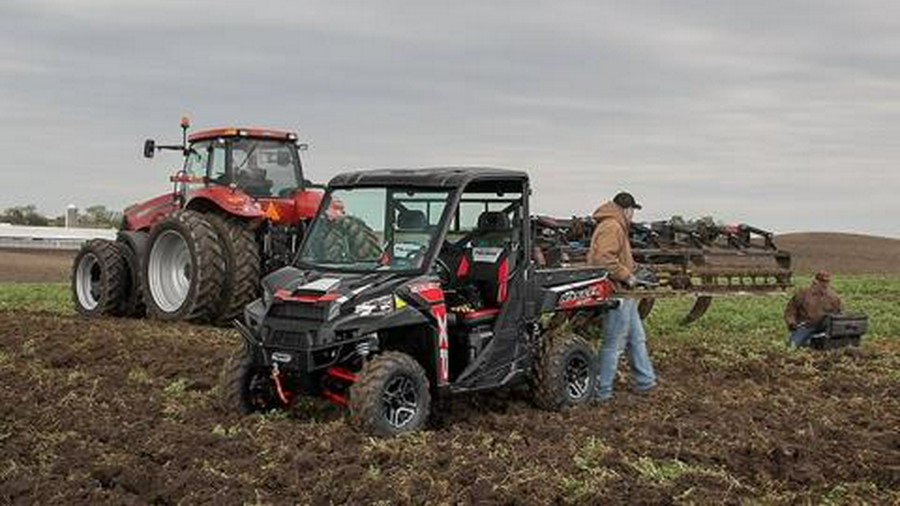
{"x":98,"y":278}
{"x":245,"y":388}
{"x":566,"y":373}
{"x":391,"y":396}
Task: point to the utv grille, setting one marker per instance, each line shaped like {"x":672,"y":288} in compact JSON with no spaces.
{"x":299,"y":311}
{"x":291,"y":339}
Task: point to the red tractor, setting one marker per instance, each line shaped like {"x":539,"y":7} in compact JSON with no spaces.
{"x":238,"y":209}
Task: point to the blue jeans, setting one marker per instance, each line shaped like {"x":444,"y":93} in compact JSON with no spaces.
{"x":623,"y":329}
{"x":800,"y":336}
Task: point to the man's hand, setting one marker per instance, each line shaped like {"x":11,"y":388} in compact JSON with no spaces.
{"x":631,"y":281}
{"x":645,"y":277}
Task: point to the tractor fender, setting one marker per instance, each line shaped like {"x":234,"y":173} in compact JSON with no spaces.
{"x":230,"y":200}
{"x":143,"y":215}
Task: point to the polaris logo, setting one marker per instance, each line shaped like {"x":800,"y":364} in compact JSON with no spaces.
{"x":284,"y":358}
{"x":579,"y":294}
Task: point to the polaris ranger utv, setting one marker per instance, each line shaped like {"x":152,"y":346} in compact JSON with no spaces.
{"x":437,"y":294}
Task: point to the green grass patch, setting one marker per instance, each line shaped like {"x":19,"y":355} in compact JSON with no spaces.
{"x":759,"y":317}
{"x":52,"y":297}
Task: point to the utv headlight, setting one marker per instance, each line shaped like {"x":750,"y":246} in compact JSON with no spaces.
{"x":377,"y":306}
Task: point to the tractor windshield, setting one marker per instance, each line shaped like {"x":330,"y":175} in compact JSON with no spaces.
{"x":375,"y":229}
{"x":265,"y":168}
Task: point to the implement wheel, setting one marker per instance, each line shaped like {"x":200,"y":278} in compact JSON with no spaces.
{"x":184,"y":268}
{"x":392,"y":395}
{"x":99,"y":278}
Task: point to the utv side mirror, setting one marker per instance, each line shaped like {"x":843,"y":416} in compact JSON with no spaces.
{"x":149,"y":148}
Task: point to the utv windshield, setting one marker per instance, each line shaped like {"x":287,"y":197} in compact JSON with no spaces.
{"x":375,"y":229}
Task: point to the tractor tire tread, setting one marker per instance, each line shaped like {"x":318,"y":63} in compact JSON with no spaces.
{"x":112,"y":264}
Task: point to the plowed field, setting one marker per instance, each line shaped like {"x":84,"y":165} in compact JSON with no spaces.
{"x":125,"y":412}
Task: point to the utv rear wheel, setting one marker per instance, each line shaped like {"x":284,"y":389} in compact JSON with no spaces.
{"x":242,"y":267}
{"x":566,"y":373}
{"x":392,"y":395}
{"x":98,"y":278}
{"x":184,"y":268}
{"x":245,"y":388}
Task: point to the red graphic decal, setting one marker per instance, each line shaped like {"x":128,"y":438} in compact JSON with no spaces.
{"x":586,"y":296}
{"x":439,"y":311}
{"x":463,"y":269}
{"x":501,"y":275}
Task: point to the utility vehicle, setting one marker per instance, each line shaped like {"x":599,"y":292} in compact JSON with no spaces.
{"x":440,"y":295}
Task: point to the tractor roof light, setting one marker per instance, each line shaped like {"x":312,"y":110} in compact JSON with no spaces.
{"x":185,"y":122}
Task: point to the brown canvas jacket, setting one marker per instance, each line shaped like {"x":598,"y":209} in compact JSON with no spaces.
{"x":809,"y":305}
{"x":610,"y":246}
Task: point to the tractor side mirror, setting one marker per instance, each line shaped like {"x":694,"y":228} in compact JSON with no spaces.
{"x":149,"y":148}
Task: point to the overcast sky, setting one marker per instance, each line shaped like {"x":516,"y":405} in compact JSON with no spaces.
{"x":783,"y":114}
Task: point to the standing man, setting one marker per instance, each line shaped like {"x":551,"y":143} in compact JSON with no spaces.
{"x":611,"y":249}
{"x":808,"y":307}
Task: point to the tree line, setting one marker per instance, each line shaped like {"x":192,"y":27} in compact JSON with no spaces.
{"x":96,"y":216}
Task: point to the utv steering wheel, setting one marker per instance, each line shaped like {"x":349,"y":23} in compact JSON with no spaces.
{"x":444,"y":272}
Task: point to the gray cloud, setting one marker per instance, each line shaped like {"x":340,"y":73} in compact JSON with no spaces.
{"x":783,"y":114}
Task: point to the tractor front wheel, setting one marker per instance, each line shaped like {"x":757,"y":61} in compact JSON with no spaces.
{"x":184,"y":268}
{"x":392,"y":395}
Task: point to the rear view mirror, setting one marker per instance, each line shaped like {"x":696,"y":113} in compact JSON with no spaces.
{"x":149,"y":148}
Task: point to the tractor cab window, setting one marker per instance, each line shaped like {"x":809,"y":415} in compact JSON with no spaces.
{"x":265,"y":168}
{"x":197,"y":160}
{"x":218,"y":172}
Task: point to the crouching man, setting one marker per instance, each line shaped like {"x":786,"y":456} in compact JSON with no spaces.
{"x":622,"y":327}
{"x":808,"y":307}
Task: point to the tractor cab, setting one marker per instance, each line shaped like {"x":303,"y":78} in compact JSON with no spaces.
{"x":262,"y":163}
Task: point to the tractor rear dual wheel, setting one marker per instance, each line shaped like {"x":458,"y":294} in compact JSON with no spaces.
{"x":184,"y":268}
{"x":242,"y":267}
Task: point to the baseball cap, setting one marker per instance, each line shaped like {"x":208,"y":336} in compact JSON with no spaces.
{"x":625,"y":200}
